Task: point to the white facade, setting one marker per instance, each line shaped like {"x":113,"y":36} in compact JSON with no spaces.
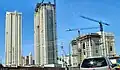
{"x":109,"y":41}
{"x":30,"y":59}
{"x":13,"y":38}
{"x":27,"y":60}
{"x":23,"y":61}
{"x":45,"y":34}
{"x":74,"y":61}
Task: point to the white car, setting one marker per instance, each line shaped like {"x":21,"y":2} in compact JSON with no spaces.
{"x":96,"y":63}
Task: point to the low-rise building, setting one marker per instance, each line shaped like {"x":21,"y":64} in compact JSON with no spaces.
{"x":28,"y":60}
{"x":74,"y":62}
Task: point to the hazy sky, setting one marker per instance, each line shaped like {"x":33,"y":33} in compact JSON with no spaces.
{"x":68,"y":12}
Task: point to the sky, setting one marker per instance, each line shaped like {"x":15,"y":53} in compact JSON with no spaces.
{"x":68,"y":16}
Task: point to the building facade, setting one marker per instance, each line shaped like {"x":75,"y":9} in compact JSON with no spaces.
{"x":74,"y":62}
{"x":45,"y":47}
{"x":109,"y":43}
{"x":23,"y":61}
{"x":13,"y":34}
{"x":30,"y":59}
{"x":91,"y":45}
{"x":27,"y":60}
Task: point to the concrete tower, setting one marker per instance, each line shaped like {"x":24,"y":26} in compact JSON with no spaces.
{"x":45,"y":34}
{"x":13,"y":38}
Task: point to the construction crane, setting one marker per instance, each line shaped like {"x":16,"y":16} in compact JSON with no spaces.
{"x":79,"y":30}
{"x":1,"y":59}
{"x":42,"y":1}
{"x":63,"y":53}
{"x":101,"y":30}
{"x":62,"y":49}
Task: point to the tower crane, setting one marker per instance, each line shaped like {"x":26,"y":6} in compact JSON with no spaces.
{"x":62,"y":49}
{"x":42,"y":1}
{"x":63,"y":54}
{"x":101,"y":30}
{"x":79,"y":30}
{"x":1,"y":59}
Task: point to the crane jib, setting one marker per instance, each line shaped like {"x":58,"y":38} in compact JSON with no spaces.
{"x":95,"y":20}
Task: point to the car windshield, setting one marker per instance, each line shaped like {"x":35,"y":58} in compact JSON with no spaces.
{"x":118,"y":60}
{"x":94,"y":62}
{"x":115,"y":60}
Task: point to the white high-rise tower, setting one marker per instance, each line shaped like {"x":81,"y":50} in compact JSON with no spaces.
{"x":30,"y":59}
{"x":45,"y":34}
{"x":13,"y":33}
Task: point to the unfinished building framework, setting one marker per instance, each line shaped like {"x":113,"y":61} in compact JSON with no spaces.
{"x":90,"y":45}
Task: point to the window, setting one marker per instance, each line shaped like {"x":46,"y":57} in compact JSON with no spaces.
{"x":84,"y":52}
{"x":110,"y":48}
{"x":83,"y":45}
{"x":91,"y":43}
{"x":94,"y":62}
{"x":96,"y":51}
{"x":38,"y":26}
{"x":73,"y":63}
{"x":118,"y":60}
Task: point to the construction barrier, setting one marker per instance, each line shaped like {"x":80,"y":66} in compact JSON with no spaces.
{"x":32,"y":68}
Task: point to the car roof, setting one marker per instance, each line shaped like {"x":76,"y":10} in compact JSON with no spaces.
{"x":95,"y":57}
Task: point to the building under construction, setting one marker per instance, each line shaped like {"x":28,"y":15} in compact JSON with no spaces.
{"x":90,"y":45}
{"x":45,"y":46}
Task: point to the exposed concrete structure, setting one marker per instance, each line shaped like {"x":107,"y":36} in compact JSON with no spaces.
{"x":45,"y":46}
{"x":90,"y":45}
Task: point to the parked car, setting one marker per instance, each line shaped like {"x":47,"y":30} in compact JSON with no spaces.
{"x":96,"y":63}
{"x":116,"y":62}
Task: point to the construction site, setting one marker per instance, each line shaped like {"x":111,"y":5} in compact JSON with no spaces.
{"x":46,"y":56}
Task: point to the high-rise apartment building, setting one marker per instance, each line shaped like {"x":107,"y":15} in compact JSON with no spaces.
{"x":13,"y":38}
{"x":45,"y":47}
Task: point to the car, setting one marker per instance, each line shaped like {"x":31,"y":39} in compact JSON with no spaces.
{"x":115,"y":61}
{"x":96,"y":63}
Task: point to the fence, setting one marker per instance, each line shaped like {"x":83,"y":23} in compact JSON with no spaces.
{"x":31,"y":68}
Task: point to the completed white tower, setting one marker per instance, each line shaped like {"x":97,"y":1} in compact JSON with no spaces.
{"x":13,"y":38}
